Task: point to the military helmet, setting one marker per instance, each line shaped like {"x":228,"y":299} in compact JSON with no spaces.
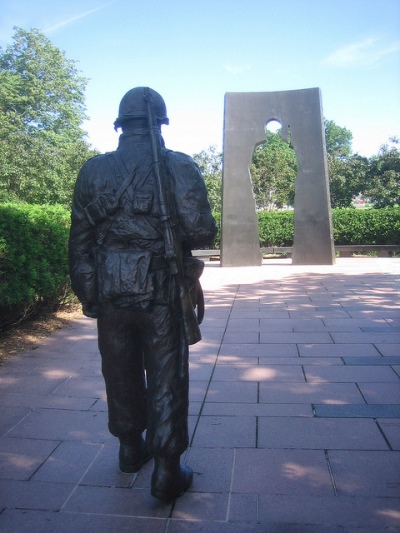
{"x":133,"y":106}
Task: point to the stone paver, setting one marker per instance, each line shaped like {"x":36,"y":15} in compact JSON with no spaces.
{"x":294,"y":414}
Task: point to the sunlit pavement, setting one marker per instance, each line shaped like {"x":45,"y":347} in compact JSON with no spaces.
{"x":294,"y":414}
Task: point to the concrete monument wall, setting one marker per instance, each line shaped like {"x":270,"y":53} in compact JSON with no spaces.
{"x":246,"y":116}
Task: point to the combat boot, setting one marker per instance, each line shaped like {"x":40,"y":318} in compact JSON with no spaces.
{"x":133,"y":454}
{"x":170,"y":479}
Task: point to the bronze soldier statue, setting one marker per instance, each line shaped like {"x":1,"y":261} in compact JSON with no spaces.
{"x":137,"y":213}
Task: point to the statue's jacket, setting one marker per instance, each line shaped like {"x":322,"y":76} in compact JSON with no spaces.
{"x":116,"y":238}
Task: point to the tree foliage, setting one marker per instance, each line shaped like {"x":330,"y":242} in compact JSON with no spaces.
{"x":346,"y":173}
{"x":347,"y":178}
{"x":383,"y":186}
{"x":210,"y":164}
{"x":274,"y":167}
{"x":376,"y":179}
{"x":273,"y":170}
{"x":42,"y":107}
{"x":337,"y":139}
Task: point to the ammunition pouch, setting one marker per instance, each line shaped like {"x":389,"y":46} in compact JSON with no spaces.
{"x":141,"y":204}
{"x":103,"y":207}
{"x":122,"y":273}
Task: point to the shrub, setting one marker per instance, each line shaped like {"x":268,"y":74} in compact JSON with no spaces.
{"x":350,"y":226}
{"x":33,"y":259}
{"x":217,"y":242}
{"x":276,"y":228}
{"x":366,"y":226}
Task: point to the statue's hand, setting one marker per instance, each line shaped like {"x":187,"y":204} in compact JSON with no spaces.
{"x":89,"y":309}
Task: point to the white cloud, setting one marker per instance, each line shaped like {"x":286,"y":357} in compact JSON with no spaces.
{"x":78,"y":17}
{"x":363,"y":53}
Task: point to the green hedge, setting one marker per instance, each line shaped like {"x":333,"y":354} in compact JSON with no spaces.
{"x":33,"y":258}
{"x":366,"y":226}
{"x":217,"y":242}
{"x":34,"y":242}
{"x":350,"y":226}
{"x":275,"y":228}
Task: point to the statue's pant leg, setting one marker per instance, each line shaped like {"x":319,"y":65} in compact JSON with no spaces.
{"x":166,"y":361}
{"x":123,"y":371}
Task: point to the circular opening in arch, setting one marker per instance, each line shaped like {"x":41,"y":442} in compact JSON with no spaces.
{"x":273,"y":126}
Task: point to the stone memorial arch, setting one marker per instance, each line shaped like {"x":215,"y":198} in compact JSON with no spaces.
{"x":245,"y":120}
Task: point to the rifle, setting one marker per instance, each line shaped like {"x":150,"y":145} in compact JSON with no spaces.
{"x":173,"y":247}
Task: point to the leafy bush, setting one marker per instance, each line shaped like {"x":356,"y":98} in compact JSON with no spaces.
{"x":33,"y":258}
{"x":350,"y":226}
{"x":276,"y":228}
{"x":217,"y":242}
{"x":366,"y":226}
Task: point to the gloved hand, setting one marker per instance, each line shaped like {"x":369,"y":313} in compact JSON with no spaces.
{"x":89,"y":309}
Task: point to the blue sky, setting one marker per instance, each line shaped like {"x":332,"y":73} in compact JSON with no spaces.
{"x":193,"y":52}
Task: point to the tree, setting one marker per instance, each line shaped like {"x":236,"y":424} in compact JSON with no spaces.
{"x":383,"y":187}
{"x":347,"y":178}
{"x":210,"y":164}
{"x":337,"y":139}
{"x":377,"y":178}
{"x":50,"y":91}
{"x":274,"y":167}
{"x":273,"y":170}
{"x":347,"y":172}
{"x":42,"y":107}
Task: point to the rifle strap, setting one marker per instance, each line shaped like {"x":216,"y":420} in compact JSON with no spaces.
{"x":123,"y":171}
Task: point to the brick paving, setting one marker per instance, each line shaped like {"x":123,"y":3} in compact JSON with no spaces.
{"x":294,"y":414}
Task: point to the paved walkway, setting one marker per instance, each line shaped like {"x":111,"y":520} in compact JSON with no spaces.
{"x":294,"y":414}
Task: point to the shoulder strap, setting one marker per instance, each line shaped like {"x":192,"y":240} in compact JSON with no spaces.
{"x":129,"y":176}
{"x":123,"y":171}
